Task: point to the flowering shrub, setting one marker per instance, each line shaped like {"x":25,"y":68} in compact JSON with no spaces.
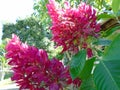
{"x":33,"y":70}
{"x":71,"y":27}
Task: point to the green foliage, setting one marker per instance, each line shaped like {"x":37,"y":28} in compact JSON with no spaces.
{"x":77,"y":63}
{"x":29,"y":30}
{"x":40,"y":11}
{"x":106,"y":75}
{"x":107,"y":72}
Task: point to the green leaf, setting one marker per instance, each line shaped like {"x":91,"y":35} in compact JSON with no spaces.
{"x":77,"y":63}
{"x":88,"y":84}
{"x":107,"y":72}
{"x":103,"y":42}
{"x":115,"y":5}
{"x":107,"y":75}
{"x":113,"y":51}
{"x":86,"y":72}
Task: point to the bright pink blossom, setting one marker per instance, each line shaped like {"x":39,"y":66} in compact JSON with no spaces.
{"x":33,"y":70}
{"x":71,"y":27}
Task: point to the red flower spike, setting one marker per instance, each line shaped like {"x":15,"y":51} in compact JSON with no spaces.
{"x":33,"y":70}
{"x":71,"y":27}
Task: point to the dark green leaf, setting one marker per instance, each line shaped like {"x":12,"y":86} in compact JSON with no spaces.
{"x":86,"y":72}
{"x":107,"y":72}
{"x":107,"y":75}
{"x":77,"y":63}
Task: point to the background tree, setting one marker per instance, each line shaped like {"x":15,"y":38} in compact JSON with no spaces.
{"x":29,"y":30}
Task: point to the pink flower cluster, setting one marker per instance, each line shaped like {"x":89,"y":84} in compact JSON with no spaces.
{"x":33,"y":70}
{"x":71,"y":27}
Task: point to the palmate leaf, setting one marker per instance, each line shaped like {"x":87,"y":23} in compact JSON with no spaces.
{"x":107,"y":72}
{"x":77,"y":63}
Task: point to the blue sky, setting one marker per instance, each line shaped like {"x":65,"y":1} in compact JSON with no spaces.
{"x":10,"y":10}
